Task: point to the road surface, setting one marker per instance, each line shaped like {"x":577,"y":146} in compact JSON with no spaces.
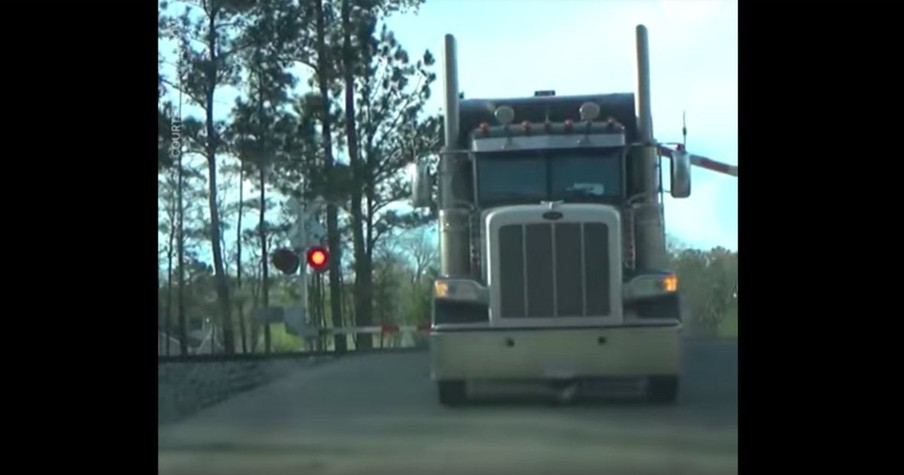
{"x":378,"y":414}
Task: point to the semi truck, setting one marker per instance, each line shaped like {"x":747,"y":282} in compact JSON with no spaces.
{"x":553,"y":262}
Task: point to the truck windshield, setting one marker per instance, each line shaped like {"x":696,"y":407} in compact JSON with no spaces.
{"x":578,"y":176}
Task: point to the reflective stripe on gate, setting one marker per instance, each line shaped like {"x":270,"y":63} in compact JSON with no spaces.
{"x":384,"y":329}
{"x":701,"y":161}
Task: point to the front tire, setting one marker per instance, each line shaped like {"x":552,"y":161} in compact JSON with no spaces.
{"x":452,"y":393}
{"x":662,"y":389}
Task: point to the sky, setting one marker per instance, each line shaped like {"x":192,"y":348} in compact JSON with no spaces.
{"x":511,"y":48}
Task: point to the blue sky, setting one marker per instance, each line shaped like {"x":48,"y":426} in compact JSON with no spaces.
{"x":511,"y":48}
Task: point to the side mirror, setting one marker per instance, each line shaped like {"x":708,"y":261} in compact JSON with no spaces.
{"x":421,"y":188}
{"x":681,"y":174}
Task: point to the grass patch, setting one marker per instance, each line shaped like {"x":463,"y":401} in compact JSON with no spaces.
{"x":729,"y":326}
{"x":281,"y":340}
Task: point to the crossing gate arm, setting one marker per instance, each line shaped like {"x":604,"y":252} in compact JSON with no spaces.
{"x":700,"y":161}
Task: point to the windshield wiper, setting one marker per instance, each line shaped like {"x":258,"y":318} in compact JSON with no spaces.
{"x":582,"y":192}
{"x":512,"y":196}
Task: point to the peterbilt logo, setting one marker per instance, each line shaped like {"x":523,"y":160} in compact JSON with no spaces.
{"x":552,"y":215}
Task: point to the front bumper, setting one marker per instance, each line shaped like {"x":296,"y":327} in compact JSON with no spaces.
{"x":518,"y":354}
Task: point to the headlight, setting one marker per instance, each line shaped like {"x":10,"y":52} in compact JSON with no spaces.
{"x":459,"y":289}
{"x":652,"y":285}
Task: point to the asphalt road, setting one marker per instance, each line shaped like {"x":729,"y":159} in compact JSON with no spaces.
{"x":379,"y":414}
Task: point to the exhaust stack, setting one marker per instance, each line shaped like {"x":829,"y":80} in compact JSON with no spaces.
{"x":650,"y":236}
{"x":450,"y":106}
{"x":454,"y":242}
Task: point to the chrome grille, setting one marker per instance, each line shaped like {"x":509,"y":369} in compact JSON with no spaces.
{"x":554,"y":270}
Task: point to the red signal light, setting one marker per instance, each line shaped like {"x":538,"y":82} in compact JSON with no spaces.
{"x":318,"y":258}
{"x":286,"y":261}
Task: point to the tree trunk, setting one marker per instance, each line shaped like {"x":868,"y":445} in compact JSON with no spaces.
{"x":321,"y":309}
{"x":222,"y":285}
{"x":170,"y":250}
{"x":255,"y":304}
{"x":238,"y":272}
{"x":183,"y":324}
{"x":265,"y":281}
{"x":262,"y":225}
{"x":332,"y":224}
{"x":362,"y":288}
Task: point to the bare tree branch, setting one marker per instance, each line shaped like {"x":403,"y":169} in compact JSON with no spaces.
{"x":194,"y":98}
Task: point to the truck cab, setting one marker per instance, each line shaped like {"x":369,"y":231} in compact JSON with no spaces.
{"x":552,"y":244}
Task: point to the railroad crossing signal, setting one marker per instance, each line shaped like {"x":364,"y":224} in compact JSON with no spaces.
{"x":318,"y":258}
{"x":286,"y":261}
{"x":307,"y":230}
{"x":316,"y":231}
{"x":306,"y":238}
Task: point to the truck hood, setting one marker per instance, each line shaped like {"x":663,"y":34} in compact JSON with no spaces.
{"x":537,"y":213}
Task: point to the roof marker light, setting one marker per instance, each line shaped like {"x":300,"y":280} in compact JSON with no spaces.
{"x":589,"y":111}
{"x":505,"y":115}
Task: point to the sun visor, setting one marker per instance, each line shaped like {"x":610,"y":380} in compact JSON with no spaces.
{"x":555,"y":108}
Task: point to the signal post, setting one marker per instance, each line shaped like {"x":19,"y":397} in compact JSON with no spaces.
{"x":305,"y":239}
